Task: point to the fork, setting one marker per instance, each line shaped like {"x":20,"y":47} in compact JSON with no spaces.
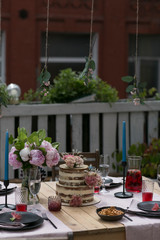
{"x":44,"y":216}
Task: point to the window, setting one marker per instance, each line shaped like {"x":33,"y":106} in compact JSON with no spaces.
{"x":2,"y":58}
{"x":148,"y":62}
{"x":67,"y":51}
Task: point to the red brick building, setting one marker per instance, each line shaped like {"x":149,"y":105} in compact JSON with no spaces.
{"x":23,"y":39}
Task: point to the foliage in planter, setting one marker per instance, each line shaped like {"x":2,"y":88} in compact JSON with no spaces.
{"x":150,"y":157}
{"x":31,"y":96}
{"x":105,"y":93}
{"x":4,"y":97}
{"x":68,"y":87}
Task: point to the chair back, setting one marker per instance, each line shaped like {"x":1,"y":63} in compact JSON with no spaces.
{"x":92,"y":158}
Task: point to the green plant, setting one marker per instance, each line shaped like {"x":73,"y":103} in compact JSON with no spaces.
{"x":105,"y":93}
{"x":68,"y":87}
{"x":4,"y":97}
{"x":31,"y":96}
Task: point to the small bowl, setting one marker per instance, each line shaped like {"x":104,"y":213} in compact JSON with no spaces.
{"x":110,"y":218}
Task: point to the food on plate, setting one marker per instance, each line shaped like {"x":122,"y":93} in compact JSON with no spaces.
{"x":111,"y":211}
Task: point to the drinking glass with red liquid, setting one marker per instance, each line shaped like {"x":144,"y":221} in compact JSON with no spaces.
{"x":134,"y":177}
{"x":147,"y":190}
{"x":21,"y":199}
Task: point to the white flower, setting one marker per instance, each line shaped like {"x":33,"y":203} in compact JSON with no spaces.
{"x":25,"y":154}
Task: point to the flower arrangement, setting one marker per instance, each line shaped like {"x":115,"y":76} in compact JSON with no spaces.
{"x":72,"y":161}
{"x":93,"y":179}
{"x":35,"y":150}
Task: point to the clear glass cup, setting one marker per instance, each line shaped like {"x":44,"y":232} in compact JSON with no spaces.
{"x":54,"y":203}
{"x":21,"y":199}
{"x":104,"y":171}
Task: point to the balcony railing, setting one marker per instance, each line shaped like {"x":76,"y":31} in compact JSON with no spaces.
{"x":83,"y":126}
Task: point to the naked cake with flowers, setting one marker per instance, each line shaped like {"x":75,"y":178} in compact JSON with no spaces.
{"x":76,"y":183}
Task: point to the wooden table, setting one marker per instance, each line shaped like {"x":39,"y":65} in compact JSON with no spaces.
{"x":84,"y":221}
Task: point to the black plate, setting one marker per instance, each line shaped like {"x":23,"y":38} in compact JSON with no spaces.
{"x":110,"y":218}
{"x":29,"y":226}
{"x":9,"y":190}
{"x":27,"y":217}
{"x":147,"y":206}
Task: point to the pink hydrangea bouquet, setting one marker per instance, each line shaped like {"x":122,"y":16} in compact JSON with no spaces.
{"x":93,"y":179}
{"x":35,"y":150}
{"x":73,"y":161}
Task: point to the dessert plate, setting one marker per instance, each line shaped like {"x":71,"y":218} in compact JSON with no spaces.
{"x":147,"y":206}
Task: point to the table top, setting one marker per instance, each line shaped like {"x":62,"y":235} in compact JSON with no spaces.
{"x":84,"y":221}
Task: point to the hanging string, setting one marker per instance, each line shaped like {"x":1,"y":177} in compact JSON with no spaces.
{"x":46,"y":45}
{"x":136,"y":57}
{"x":91,"y":31}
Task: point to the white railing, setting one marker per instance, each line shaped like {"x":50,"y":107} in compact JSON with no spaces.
{"x":83,"y":126}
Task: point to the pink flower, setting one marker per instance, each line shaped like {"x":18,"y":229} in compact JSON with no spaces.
{"x":37,"y":157}
{"x":76,"y":201}
{"x":52,"y":157}
{"x":13,"y":159}
{"x":46,"y":145}
{"x":72,"y":161}
{"x":66,"y":156}
{"x":136,"y":101}
{"x":15,"y":216}
{"x":155,"y":207}
{"x":93,"y":179}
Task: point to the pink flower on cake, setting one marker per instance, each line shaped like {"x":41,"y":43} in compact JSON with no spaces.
{"x":76,"y":201}
{"x":93,"y":179}
{"x":72,"y":160}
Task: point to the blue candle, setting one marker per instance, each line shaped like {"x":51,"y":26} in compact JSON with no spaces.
{"x":124,"y":142}
{"x":6,"y":157}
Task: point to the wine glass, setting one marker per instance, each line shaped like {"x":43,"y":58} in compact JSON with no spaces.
{"x":104,"y":171}
{"x":34,"y":185}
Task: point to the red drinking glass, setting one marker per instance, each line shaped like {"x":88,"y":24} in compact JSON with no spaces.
{"x":54,"y":203}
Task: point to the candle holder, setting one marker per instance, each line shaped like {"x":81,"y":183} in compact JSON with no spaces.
{"x":123,"y":194}
{"x":11,"y":206}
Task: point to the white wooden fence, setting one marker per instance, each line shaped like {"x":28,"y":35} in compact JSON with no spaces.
{"x":83,"y":126}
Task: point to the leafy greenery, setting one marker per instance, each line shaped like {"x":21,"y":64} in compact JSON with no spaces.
{"x":105,"y":93}
{"x":136,"y":89}
{"x":44,"y":76}
{"x":4,"y":97}
{"x":87,"y":73}
{"x":67,"y":86}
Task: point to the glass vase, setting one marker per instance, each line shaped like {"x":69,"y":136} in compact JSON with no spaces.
{"x":25,"y":183}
